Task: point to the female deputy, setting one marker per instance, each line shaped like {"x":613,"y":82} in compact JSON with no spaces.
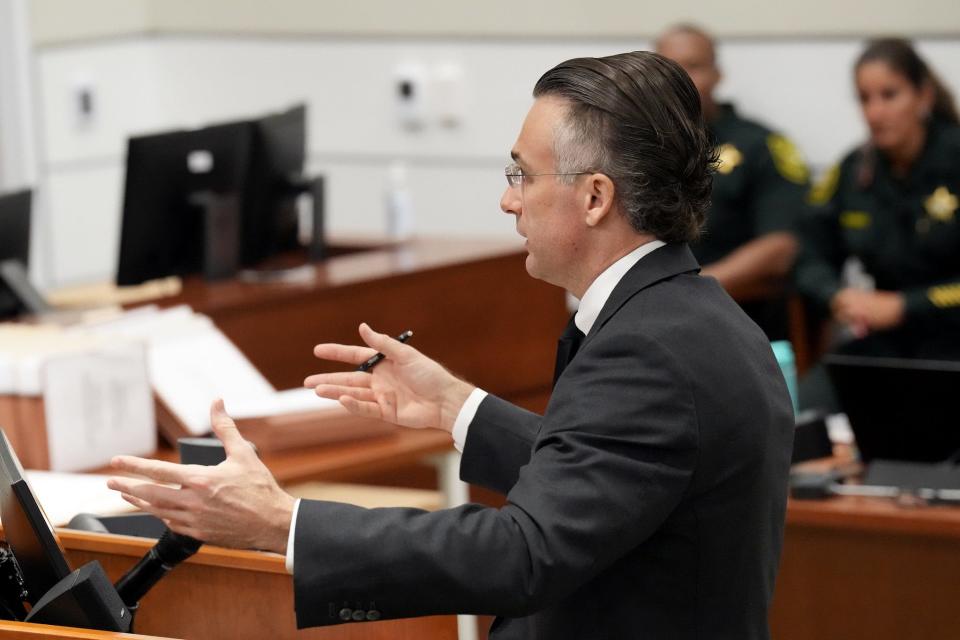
{"x":893,"y":205}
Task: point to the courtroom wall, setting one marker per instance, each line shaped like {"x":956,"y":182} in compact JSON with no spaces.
{"x":149,"y":73}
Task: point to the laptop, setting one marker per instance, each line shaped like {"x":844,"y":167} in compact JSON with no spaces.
{"x":899,"y":409}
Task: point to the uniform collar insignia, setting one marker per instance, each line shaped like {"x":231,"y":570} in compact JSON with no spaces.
{"x":729,"y":157}
{"x":941,"y":204}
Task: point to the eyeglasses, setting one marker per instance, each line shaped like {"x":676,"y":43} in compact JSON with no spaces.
{"x":515,"y":174}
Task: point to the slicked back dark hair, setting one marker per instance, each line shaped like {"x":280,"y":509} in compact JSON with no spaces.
{"x":636,"y":118}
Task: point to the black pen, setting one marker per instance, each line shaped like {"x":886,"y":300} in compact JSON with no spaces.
{"x":372,"y":362}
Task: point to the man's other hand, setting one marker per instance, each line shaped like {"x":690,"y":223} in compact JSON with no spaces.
{"x":234,"y":504}
{"x":406,"y":388}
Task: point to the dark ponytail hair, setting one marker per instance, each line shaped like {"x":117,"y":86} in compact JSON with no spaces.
{"x":901,"y":57}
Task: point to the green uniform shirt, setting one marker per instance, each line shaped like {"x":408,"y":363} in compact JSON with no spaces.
{"x":759,"y":188}
{"x":905,"y":232}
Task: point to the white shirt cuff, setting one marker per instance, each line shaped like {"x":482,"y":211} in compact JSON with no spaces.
{"x":467,"y":413}
{"x":293,"y":527}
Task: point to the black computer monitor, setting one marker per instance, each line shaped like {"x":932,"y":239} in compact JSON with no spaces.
{"x":899,"y":409}
{"x":164,"y":228}
{"x":16,"y":294}
{"x":27,"y":529}
{"x":278,"y":153}
{"x":15,"y":226}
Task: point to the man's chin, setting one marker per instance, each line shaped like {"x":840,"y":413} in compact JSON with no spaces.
{"x":535,"y":271}
{"x":532,"y":267}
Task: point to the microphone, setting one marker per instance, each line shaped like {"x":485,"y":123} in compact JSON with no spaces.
{"x":171,"y":549}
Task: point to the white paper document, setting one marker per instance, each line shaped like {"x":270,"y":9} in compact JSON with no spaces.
{"x":98,"y":404}
{"x":191,"y":363}
{"x":278,"y":403}
{"x":64,"y":495}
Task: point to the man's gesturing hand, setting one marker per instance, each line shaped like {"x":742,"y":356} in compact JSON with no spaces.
{"x":234,"y":504}
{"x":406,"y":388}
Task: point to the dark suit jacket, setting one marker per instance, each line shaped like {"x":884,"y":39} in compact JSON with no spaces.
{"x":648,"y":501}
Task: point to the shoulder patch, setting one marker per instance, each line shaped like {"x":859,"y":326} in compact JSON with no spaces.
{"x":787,"y":159}
{"x":941,"y":204}
{"x":728,"y":158}
{"x":944,"y":296}
{"x":855,"y":220}
{"x":824,"y":188}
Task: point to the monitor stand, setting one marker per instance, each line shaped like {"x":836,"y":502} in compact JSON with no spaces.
{"x":84,"y":599}
{"x":316,"y":247}
{"x":221,"y":233}
{"x":17,"y":294}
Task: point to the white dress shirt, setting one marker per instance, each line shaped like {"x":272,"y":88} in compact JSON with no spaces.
{"x":592,"y":302}
{"x":588,"y":311}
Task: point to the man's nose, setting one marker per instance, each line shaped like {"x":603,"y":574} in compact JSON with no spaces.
{"x":511,"y":202}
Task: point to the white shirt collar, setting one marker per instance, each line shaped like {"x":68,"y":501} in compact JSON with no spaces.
{"x":601,"y":288}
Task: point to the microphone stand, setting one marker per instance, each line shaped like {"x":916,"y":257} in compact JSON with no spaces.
{"x":171,"y":549}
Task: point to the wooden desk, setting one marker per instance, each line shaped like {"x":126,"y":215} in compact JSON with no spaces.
{"x":859,"y":568}
{"x":234,"y":595}
{"x":10,"y":630}
{"x":471,"y":304}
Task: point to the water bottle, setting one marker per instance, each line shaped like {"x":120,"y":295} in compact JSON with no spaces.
{"x":783,"y":351}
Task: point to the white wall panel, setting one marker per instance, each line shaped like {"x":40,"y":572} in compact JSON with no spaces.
{"x":350,"y":87}
{"x":803,"y":89}
{"x":124,"y":79}
{"x":447,"y":200}
{"x":85,"y":237}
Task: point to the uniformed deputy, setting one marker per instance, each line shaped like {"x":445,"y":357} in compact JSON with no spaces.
{"x":893,"y":205}
{"x":749,"y":242}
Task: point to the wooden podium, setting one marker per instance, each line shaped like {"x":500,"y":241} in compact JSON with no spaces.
{"x":26,"y":631}
{"x":228,"y":594}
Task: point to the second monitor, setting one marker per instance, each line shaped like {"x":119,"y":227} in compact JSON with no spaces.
{"x":221,"y":194}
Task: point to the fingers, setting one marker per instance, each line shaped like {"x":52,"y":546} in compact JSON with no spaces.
{"x":365,"y":409}
{"x":381,"y":342}
{"x":164,"y":513}
{"x":343,"y":378}
{"x":177,"y":521}
{"x":335,"y":392}
{"x":154,"y":469}
{"x":356,"y":355}
{"x":226,"y":430}
{"x":164,"y":497}
{"x":350,"y":354}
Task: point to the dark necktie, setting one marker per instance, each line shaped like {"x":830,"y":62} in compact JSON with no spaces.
{"x":567,"y":347}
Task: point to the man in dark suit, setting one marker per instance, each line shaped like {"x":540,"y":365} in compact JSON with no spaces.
{"x":648,"y":501}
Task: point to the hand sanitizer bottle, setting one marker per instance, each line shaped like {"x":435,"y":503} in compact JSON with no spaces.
{"x":398,"y":203}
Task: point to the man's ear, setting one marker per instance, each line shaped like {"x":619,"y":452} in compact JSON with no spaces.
{"x":598,"y":198}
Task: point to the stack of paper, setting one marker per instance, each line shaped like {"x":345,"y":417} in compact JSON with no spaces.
{"x":64,"y":495}
{"x":72,"y":401}
{"x":192,"y":363}
{"x":71,"y":398}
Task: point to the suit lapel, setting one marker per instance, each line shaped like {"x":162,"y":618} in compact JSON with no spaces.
{"x":663,"y":263}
